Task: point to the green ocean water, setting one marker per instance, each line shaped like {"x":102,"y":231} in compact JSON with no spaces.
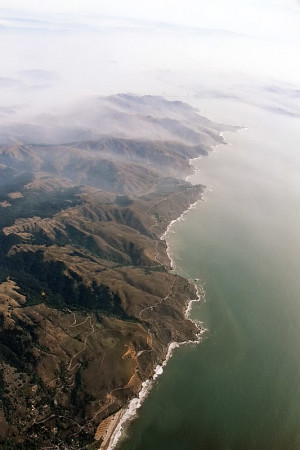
{"x":239,"y":388}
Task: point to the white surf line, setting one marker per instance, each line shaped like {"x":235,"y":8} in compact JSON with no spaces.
{"x":179,"y":219}
{"x":131,"y":411}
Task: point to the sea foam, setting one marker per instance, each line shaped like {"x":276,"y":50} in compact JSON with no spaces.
{"x":131,"y":411}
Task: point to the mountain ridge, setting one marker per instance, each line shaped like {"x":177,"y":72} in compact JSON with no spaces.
{"x":89,"y":305}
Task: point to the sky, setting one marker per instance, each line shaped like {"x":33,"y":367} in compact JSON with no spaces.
{"x":54,"y":52}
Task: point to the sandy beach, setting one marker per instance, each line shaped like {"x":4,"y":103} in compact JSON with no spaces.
{"x":107,"y":428}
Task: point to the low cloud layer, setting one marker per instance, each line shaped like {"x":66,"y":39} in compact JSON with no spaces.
{"x":244,"y":50}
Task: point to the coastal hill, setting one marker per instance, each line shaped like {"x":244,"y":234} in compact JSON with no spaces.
{"x":88,"y":305}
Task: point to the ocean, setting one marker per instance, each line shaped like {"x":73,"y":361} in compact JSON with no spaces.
{"x":240,"y":387}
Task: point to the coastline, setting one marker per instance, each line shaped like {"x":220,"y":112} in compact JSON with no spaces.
{"x":179,"y":219}
{"x":123,"y":256}
{"x":130,"y":412}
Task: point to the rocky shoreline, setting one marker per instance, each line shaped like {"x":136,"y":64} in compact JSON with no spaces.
{"x":89,"y":307}
{"x":122,"y":419}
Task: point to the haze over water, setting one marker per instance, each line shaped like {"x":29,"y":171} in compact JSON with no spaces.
{"x":239,"y":388}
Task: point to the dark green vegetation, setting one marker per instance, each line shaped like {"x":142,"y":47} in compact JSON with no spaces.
{"x":87,"y":304}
